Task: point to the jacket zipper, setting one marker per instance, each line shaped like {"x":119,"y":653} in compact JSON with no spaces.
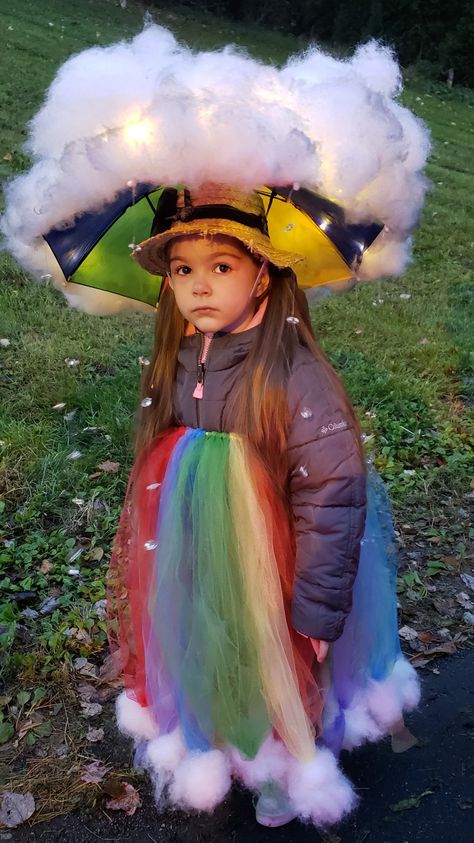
{"x":201,"y":366}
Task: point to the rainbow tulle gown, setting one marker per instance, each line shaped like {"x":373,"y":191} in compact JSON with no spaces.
{"x":218,"y":684}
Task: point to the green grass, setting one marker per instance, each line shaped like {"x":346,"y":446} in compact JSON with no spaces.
{"x":408,"y":363}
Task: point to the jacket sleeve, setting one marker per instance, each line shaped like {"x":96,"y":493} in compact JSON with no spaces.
{"x":327,"y":485}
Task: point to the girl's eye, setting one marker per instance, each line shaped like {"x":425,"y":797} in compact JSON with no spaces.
{"x":221,"y":268}
{"x":182,"y":270}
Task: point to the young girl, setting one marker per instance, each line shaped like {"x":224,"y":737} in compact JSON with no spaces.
{"x":234,"y":569}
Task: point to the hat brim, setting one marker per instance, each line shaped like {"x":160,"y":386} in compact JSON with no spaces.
{"x":150,"y":254}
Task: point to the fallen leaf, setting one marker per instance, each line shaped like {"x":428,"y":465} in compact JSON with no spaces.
{"x":110,"y":668}
{"x":48,"y":605}
{"x":463,"y":600}
{"x":427,"y":637}
{"x":407,"y":633}
{"x":446,"y":649}
{"x":453,"y":561}
{"x":85,"y":667}
{"x":95,"y":475}
{"x":46,"y":566}
{"x":411,"y":802}
{"x":86,"y":691}
{"x":128,"y":802}
{"x":94,"y":772}
{"x":7,"y":730}
{"x":8,"y":156}
{"x":468,"y":580}
{"x":111,"y":467}
{"x":464,"y":804}
{"x":95,"y":735}
{"x":96,"y":554}
{"x":16,"y":808}
{"x":91,"y":709}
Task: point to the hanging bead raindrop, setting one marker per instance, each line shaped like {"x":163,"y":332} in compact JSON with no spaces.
{"x":147,"y":402}
{"x":306,"y":413}
{"x":151,"y":544}
{"x":293,"y":320}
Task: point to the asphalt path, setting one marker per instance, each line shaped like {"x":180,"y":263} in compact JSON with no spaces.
{"x":441,"y":768}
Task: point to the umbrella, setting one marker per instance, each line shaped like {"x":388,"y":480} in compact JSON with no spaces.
{"x":95,"y":249}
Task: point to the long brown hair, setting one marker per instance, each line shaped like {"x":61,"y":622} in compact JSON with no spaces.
{"x":259,"y":405}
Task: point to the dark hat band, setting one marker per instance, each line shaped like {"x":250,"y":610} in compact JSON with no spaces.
{"x":167,"y":213}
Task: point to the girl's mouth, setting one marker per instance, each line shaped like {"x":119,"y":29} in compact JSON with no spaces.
{"x":204,"y":309}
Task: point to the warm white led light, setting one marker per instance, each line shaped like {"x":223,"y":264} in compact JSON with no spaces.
{"x":138,"y":133}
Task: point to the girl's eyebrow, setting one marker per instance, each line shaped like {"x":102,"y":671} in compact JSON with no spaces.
{"x":215,"y":256}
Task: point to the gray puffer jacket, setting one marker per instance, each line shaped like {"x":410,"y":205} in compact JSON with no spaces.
{"x":327,"y":475}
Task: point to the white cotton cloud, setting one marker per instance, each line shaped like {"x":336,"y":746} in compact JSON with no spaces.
{"x":153,"y":110}
{"x":201,"y":780}
{"x":133,"y":719}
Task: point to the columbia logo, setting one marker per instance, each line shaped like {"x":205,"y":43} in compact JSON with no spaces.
{"x":328,"y":428}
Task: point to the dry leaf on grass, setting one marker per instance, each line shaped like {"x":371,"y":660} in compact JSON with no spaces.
{"x":468,"y":580}
{"x":128,"y":801}
{"x":85,"y":667}
{"x":407,"y":633}
{"x":464,"y":601}
{"x":91,"y":709}
{"x":87,"y":692}
{"x":111,"y":467}
{"x":94,"y":772}
{"x":16,"y":808}
{"x":421,"y":659}
{"x":95,"y":735}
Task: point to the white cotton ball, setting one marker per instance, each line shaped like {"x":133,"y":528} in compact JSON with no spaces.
{"x":271,"y":763}
{"x":102,"y":303}
{"x":359,"y":726}
{"x":319,"y":791}
{"x":384,"y":704}
{"x":407,"y":681}
{"x":398,"y":692}
{"x":378,"y":67}
{"x":386,"y":257}
{"x":133,"y":719}
{"x":201,"y":780}
{"x":165,"y":752}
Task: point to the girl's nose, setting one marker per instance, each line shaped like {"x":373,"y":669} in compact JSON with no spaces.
{"x":201,"y":286}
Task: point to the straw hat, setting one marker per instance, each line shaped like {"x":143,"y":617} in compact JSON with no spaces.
{"x":209,"y":210}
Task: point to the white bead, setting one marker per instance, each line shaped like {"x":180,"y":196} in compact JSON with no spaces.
{"x":151,"y":544}
{"x":147,"y":402}
{"x":153,"y":486}
{"x":303,"y":471}
{"x":293,"y":320}
{"x":306,"y":413}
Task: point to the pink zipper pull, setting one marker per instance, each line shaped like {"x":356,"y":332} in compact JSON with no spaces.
{"x":199,"y":389}
{"x":201,"y":368}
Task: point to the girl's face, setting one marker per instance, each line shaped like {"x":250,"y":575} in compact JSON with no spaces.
{"x":213,"y":279}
